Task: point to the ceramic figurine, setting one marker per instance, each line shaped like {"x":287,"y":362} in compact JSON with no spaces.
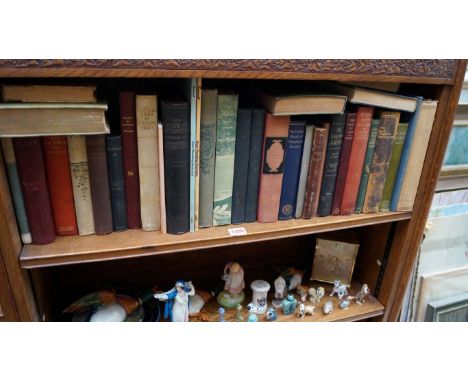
{"x":302,"y":292}
{"x":234,"y":285}
{"x":288,"y":280}
{"x":320,"y":293}
{"x":239,"y":316}
{"x":344,"y":304}
{"x":359,"y":298}
{"x":305,"y":309}
{"x":271,"y":314}
{"x":198,"y":301}
{"x":289,"y":305}
{"x":340,"y":289}
{"x":221,"y":312}
{"x":328,"y":307}
{"x":260,"y":290}
{"x":252,"y":315}
{"x":177,"y":301}
{"x":280,"y":292}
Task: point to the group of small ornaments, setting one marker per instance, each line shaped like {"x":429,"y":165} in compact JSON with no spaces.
{"x":183,"y":302}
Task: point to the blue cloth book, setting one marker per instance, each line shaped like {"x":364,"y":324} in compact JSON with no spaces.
{"x":405,"y":157}
{"x":292,"y":164}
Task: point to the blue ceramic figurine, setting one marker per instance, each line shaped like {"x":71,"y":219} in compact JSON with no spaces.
{"x":289,"y":305}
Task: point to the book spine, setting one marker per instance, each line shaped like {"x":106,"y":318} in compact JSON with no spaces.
{"x":193,"y":149}
{"x":241,"y":165}
{"x":292,"y":163}
{"x":60,"y":185}
{"x":99,"y":182}
{"x":330,"y":170}
{"x":380,"y":160}
{"x":80,"y":181}
{"x":32,"y":175}
{"x":417,"y":155}
{"x":15,"y":188}
{"x":393,"y":166}
{"x":305,"y":163}
{"x":344,"y":162}
{"x":197,"y":157}
{"x":274,"y":145}
{"x":226,"y":121}
{"x":148,"y":166}
{"x":176,"y":131}
{"x":130,"y":158}
{"x":356,"y":159}
{"x":366,"y":166}
{"x":405,"y":156}
{"x":207,"y":155}
{"x":255,"y":159}
{"x":162,"y":189}
{"x":116,"y":182}
{"x":315,"y":173}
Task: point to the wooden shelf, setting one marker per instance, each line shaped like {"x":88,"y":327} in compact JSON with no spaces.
{"x":355,"y":312}
{"x":137,"y":243}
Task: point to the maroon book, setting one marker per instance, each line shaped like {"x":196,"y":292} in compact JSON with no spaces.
{"x":344,"y":161}
{"x":130,"y":158}
{"x":32,"y":174}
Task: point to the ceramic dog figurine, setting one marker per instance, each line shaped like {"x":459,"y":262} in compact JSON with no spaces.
{"x":271,"y":314}
{"x":305,"y":310}
{"x":340,"y":289}
{"x":328,"y":307}
{"x":359,"y":298}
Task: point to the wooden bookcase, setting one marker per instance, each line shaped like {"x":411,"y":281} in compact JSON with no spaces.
{"x":36,"y":281}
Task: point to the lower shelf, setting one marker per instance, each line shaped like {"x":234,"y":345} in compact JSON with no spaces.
{"x":137,"y":243}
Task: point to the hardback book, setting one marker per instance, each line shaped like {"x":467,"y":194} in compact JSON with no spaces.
{"x":99,"y":182}
{"x":52,"y":119}
{"x":255,"y":159}
{"x":197,"y":158}
{"x":417,"y":153}
{"x":380,"y":160}
{"x":209,"y":105}
{"x":15,"y":188}
{"x":391,"y":87}
{"x":116,"y":182}
{"x":271,"y":177}
{"x":393,"y":166}
{"x":175,"y":115}
{"x":32,"y":175}
{"x":226,"y":121}
{"x":162,"y":183}
{"x":292,"y":166}
{"x":315,"y":173}
{"x":356,"y":159}
{"x":241,"y":164}
{"x":130,"y":158}
{"x":148,"y":158}
{"x":304,"y":170}
{"x":81,"y":186}
{"x":48,"y":93}
{"x":330,"y":169}
{"x":366,"y":166}
{"x":344,"y":162}
{"x":60,"y":185}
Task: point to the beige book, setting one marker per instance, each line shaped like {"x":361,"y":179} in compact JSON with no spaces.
{"x":48,"y":93}
{"x":417,"y":154}
{"x":197,"y":154}
{"x":80,"y":181}
{"x":147,"y":139}
{"x":162,"y":190}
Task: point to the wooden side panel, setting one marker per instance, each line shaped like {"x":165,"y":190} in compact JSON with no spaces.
{"x":7,"y":305}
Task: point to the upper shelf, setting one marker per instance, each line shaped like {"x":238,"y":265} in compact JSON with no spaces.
{"x":137,"y":243}
{"x":415,"y":71}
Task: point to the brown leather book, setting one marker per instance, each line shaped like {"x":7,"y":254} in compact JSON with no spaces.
{"x":60,"y":185}
{"x":314,"y":178}
{"x":130,"y":158}
{"x":99,"y":181}
{"x":32,"y":174}
{"x":356,"y":159}
{"x":344,"y":162}
{"x":271,"y":176}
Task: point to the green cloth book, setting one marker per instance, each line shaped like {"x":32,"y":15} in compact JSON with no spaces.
{"x":393,"y":166}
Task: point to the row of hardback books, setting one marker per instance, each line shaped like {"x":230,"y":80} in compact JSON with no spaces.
{"x":207,"y":159}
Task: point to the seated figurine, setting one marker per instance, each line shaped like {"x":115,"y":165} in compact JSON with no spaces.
{"x":340,"y":289}
{"x":234,"y":285}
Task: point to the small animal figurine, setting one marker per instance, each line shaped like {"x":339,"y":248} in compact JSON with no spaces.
{"x":271,"y":314}
{"x":221,"y":312}
{"x":328,"y":307}
{"x":302,"y":292}
{"x":344,"y":304}
{"x":359,"y":298}
{"x":320,"y":293}
{"x":340,"y":289}
{"x":305,"y":310}
{"x":239,"y":316}
{"x":313,"y":297}
{"x":252,"y":315}
{"x":289,"y":305}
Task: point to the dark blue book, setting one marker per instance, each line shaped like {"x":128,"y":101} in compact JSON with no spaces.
{"x":116,"y":182}
{"x":241,"y":165}
{"x":292,"y":165}
{"x":255,"y":158}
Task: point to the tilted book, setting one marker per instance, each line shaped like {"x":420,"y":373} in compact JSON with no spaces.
{"x":48,"y":93}
{"x":305,"y":162}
